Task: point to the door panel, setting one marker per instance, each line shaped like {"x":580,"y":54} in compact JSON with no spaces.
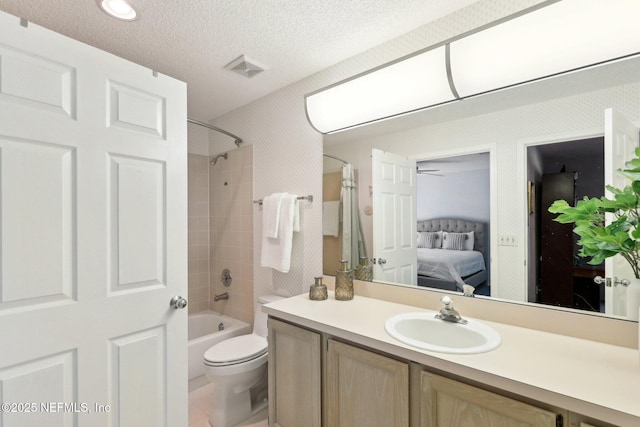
{"x":137,"y":198}
{"x":92,"y":155}
{"x":37,"y":189}
{"x":394,"y":218}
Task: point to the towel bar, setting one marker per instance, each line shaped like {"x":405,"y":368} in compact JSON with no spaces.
{"x":308,"y":198}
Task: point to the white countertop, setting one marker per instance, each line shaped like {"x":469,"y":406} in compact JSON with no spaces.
{"x":586,"y":377}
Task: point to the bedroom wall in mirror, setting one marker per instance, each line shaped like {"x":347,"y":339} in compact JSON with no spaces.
{"x":512,"y":125}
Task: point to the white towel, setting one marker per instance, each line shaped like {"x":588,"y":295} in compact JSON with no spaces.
{"x":331,"y":218}
{"x":276,"y":252}
{"x":296,"y":216}
{"x":271,"y":206}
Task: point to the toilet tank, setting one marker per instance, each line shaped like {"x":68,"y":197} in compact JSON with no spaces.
{"x":260,"y":317}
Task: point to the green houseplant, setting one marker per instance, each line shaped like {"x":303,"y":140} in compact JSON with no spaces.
{"x":622,"y":235}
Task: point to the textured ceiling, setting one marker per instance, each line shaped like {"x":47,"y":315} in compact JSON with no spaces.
{"x":192,"y":40}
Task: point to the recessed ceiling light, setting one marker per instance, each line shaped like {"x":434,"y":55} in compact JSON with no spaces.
{"x":118,"y":9}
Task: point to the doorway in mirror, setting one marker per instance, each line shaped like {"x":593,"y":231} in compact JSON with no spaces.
{"x":456,"y":189}
{"x":567,"y":170}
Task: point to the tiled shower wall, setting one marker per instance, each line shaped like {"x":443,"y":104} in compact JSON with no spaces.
{"x":231,"y":236}
{"x":198,"y":190}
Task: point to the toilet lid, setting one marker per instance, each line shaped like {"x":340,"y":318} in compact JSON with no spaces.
{"x":236,"y":350}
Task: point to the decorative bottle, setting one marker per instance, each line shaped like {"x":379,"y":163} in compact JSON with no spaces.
{"x":364,"y":271}
{"x":318,"y":291}
{"x":344,"y":282}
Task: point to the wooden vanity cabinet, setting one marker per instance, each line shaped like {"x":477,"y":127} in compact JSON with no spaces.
{"x":361,"y":387}
{"x":318,"y":381}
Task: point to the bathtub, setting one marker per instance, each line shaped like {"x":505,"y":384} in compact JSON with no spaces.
{"x":203,"y":333}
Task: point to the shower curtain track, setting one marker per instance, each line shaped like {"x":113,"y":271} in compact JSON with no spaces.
{"x":335,"y":158}
{"x":237,"y":141}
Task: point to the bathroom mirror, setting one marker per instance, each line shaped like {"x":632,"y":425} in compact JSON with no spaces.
{"x":509,"y":125}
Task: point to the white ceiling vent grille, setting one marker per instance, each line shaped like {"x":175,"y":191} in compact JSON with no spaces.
{"x":245,"y":66}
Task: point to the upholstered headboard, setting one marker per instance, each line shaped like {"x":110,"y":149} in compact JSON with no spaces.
{"x":453,"y":225}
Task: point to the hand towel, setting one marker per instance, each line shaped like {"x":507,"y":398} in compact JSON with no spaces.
{"x":296,"y":216}
{"x":331,"y":218}
{"x":276,"y":252}
{"x":271,"y":206}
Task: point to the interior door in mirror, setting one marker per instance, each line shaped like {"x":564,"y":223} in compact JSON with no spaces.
{"x":394,"y":218}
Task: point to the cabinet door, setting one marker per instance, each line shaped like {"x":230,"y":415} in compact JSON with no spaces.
{"x":445,"y":403}
{"x":577,"y":420}
{"x":294,"y":376}
{"x":365,"y":388}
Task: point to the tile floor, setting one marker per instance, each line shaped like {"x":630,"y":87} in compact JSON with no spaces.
{"x":200,"y":402}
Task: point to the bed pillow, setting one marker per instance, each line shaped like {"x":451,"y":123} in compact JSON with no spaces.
{"x":428,"y":239}
{"x":458,"y":241}
{"x":454,"y":241}
{"x":469,"y":243}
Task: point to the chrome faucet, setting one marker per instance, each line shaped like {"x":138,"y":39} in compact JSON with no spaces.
{"x":221,"y":297}
{"x":448,"y":313}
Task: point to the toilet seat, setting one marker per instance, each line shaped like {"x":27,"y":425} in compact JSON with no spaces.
{"x":236,"y":350}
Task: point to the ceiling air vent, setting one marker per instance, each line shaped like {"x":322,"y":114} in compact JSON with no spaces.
{"x":245,"y":66}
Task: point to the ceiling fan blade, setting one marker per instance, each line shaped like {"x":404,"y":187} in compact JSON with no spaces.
{"x":424,"y":172}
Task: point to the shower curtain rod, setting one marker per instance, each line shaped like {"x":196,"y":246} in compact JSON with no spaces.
{"x":335,"y":158}
{"x":237,"y":141}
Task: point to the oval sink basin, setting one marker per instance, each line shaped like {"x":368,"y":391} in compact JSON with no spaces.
{"x":423,"y":330}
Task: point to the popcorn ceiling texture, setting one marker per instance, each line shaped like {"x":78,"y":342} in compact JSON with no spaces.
{"x":288,"y":152}
{"x":201,"y":36}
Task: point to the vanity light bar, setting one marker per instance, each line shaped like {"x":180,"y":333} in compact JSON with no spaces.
{"x":407,"y":85}
{"x":565,"y":36}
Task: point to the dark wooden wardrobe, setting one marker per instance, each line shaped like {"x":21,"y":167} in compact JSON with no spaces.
{"x":555,"y":285}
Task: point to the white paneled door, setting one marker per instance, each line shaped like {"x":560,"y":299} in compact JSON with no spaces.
{"x":394,"y":218}
{"x":92,"y":236}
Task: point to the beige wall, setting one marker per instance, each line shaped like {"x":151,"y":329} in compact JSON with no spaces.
{"x":231,"y":237}
{"x":198,"y":213}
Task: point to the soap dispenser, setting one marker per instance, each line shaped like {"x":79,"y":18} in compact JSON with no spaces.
{"x":344,"y":282}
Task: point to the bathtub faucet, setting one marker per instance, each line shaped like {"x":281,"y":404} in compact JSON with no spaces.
{"x":221,"y":297}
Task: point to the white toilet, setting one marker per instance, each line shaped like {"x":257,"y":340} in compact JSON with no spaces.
{"x":237,"y":367}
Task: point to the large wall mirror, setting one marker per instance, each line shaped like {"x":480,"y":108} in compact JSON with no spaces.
{"x":493,"y":159}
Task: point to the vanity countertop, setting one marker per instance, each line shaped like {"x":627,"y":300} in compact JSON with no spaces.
{"x":587,"y":377}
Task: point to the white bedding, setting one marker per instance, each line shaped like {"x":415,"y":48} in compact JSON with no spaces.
{"x":449,"y":264}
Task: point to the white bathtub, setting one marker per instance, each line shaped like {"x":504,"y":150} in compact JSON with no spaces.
{"x":204,"y":333}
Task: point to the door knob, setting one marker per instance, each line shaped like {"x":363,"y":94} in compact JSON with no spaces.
{"x":607,"y":281}
{"x":382,"y":261}
{"x":178,"y":302}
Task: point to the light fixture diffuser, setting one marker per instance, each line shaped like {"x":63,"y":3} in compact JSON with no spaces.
{"x":119,"y":9}
{"x":407,"y":85}
{"x":561,"y":37}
